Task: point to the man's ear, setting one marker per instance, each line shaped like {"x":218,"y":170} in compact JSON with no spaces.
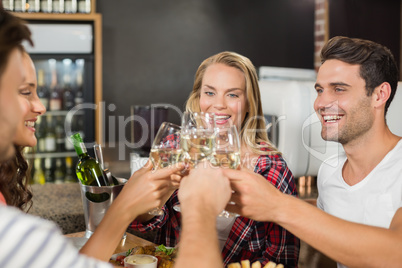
{"x":381,"y":94}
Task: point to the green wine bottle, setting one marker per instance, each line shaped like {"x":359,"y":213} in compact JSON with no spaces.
{"x":88,"y":170}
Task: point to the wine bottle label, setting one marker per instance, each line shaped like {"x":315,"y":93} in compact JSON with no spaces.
{"x":19,"y":5}
{"x":68,"y":105}
{"x":33,"y":6}
{"x":55,"y":105}
{"x":58,"y":6}
{"x":50,"y":144}
{"x":78,"y":101}
{"x":8,"y":5}
{"x":46,"y":6}
{"x":84,"y":6}
{"x":42,"y":145}
{"x":70,"y":6}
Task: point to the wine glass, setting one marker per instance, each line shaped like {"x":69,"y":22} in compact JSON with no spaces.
{"x":197,"y":136}
{"x":165,"y":151}
{"x":226,"y":153}
{"x":227,"y":148}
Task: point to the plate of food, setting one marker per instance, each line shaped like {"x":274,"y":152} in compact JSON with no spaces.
{"x":165,"y":255}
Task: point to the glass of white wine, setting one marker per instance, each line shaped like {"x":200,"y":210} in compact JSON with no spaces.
{"x":165,"y":150}
{"x":226,"y":153}
{"x":197,"y":136}
{"x":227,"y":148}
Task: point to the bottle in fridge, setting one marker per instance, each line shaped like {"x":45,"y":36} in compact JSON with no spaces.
{"x":64,"y":59}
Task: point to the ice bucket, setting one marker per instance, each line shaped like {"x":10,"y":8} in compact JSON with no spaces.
{"x":96,"y":201}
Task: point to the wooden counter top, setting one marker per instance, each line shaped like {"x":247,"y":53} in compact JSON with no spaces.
{"x":125,"y":244}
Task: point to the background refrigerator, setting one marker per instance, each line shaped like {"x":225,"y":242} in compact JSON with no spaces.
{"x":64,"y":61}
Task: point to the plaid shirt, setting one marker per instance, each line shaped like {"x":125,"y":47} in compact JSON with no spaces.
{"x":248,"y":239}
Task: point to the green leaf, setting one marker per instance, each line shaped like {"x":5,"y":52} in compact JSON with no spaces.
{"x":167,"y":251}
{"x":129,"y":251}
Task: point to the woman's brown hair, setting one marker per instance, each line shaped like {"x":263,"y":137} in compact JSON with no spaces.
{"x":14,"y":181}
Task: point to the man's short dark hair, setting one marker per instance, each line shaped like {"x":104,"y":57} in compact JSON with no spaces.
{"x":377,"y":64}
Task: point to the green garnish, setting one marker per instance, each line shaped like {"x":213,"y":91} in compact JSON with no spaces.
{"x":165,"y":250}
{"x":129,"y":251}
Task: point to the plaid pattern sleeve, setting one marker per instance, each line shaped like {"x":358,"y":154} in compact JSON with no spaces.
{"x":167,"y":225}
{"x":265,"y":241}
{"x":248,"y":239}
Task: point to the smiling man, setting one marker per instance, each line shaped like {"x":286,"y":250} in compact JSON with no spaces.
{"x":359,"y":223}
{"x":355,"y":85}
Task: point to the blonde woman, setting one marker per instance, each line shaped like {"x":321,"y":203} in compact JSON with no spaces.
{"x":226,"y":84}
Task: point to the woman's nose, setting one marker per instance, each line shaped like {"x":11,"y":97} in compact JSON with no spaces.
{"x":220,"y":102}
{"x":38,"y":107}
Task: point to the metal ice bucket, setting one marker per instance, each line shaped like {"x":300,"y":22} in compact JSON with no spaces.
{"x":96,"y":201}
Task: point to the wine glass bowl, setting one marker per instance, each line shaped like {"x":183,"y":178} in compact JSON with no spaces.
{"x":227,"y":148}
{"x":165,"y":150}
{"x":227,"y":154}
{"x":197,"y":136}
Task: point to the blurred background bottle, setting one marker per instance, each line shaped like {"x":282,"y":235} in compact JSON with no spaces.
{"x":49,"y":175}
{"x":46,"y":6}
{"x":55,"y":102}
{"x":70,"y":6}
{"x":59,"y":172}
{"x":8,"y":5}
{"x":43,"y":91}
{"x":40,"y":134}
{"x":33,"y":6}
{"x":69,"y":177}
{"x":59,"y":132}
{"x":50,"y":138}
{"x":39,"y":176}
{"x":58,"y":6}
{"x":20,"y":5}
{"x":79,"y":97}
{"x":84,"y":6}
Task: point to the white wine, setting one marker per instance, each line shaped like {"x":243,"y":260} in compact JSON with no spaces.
{"x":197,"y":147}
{"x":164,"y":157}
{"x":226,"y":159}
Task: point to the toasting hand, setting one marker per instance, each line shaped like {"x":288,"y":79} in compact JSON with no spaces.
{"x":206,"y":188}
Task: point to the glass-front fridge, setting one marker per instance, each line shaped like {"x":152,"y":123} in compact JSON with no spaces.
{"x":64,"y":61}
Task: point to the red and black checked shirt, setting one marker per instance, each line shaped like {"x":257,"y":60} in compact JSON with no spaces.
{"x":248,"y":239}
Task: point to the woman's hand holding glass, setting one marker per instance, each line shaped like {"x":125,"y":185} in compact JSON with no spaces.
{"x":165,"y":152}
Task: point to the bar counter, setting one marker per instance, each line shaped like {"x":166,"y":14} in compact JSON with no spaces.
{"x":60,"y":203}
{"x":125,"y":244}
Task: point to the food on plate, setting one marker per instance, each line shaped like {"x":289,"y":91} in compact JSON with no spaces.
{"x":234,"y":265}
{"x":245,"y":264}
{"x":257,"y":264}
{"x":165,"y":256}
{"x":140,"y":259}
{"x":270,"y":264}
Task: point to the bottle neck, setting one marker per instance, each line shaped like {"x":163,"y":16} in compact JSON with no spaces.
{"x":81,"y":149}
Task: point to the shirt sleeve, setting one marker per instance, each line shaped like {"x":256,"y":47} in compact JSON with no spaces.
{"x":155,"y":222}
{"x":283,"y":246}
{"x":29,"y":241}
{"x":320,"y":203}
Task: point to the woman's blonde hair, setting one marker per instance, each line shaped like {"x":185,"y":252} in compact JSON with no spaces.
{"x":253,"y":131}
